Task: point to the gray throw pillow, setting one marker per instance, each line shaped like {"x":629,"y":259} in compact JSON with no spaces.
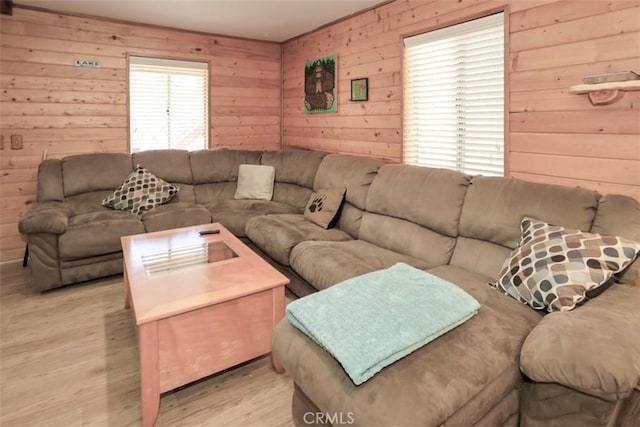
{"x":255,"y":182}
{"x":323,"y":206}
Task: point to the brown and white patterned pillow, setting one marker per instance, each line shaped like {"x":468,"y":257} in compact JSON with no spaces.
{"x":556,"y":268}
{"x":140,"y":192}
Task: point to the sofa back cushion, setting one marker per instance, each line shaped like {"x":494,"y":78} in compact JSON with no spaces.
{"x":494,"y":207}
{"x":84,"y":173}
{"x":620,"y":216}
{"x":356,"y":175}
{"x":295,"y":173}
{"x":294,"y":166}
{"x":215,"y":172}
{"x":220,"y":165}
{"x":50,"y":187}
{"x":171,"y":165}
{"x":87,"y":202}
{"x":415,"y":211}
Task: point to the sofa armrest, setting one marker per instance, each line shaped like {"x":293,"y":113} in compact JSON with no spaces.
{"x":49,"y":217}
{"x":594,"y":349}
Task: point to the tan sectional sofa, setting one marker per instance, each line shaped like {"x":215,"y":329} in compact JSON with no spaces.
{"x":73,"y":238}
{"x":508,"y":365}
{"x":498,"y":368}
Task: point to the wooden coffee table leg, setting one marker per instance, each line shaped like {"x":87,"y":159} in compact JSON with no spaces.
{"x":278,"y":314}
{"x":127,"y":294}
{"x":149,"y":372}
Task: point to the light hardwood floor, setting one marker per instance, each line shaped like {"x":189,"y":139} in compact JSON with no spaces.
{"x":68,"y":357}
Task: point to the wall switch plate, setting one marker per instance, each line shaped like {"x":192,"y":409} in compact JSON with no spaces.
{"x":1,"y":142}
{"x":16,"y":142}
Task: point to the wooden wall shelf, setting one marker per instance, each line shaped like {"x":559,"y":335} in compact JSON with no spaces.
{"x":605,"y":93}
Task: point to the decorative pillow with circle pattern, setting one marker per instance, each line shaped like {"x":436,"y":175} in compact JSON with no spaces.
{"x":556,"y":268}
{"x":140,"y":192}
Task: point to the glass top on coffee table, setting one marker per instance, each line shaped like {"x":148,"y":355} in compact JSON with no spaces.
{"x":186,"y":256}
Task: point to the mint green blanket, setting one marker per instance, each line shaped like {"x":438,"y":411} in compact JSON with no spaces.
{"x":370,"y":321}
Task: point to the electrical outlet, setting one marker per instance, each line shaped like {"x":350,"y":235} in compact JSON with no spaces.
{"x":16,"y":142}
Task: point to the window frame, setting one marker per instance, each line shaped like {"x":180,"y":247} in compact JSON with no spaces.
{"x":170,"y":58}
{"x":506,"y":72}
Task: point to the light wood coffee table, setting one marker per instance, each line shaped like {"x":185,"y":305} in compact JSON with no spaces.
{"x":201,"y":304}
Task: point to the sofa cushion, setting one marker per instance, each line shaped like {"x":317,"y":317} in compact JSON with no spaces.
{"x":97,"y":233}
{"x":170,"y":165}
{"x":353,"y":173}
{"x":255,"y":182}
{"x":429,"y":197}
{"x":324,"y":264}
{"x":220,"y":165}
{"x":479,"y":256}
{"x":494,"y":206}
{"x":234,"y":214}
{"x":291,"y":194}
{"x":87,"y":202}
{"x":458,"y":378}
{"x":407,"y":238}
{"x":415,"y":210}
{"x":175,"y":215}
{"x":140,"y":192}
{"x":83,"y":173}
{"x":555,"y":268}
{"x":323,"y":206}
{"x":215,"y":191}
{"x":370,"y":321}
{"x":594,"y":348}
{"x":476,"y":285}
{"x":294,"y":166}
{"x":277,"y":235}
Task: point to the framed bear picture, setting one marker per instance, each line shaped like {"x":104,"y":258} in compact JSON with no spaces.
{"x":320,"y":93}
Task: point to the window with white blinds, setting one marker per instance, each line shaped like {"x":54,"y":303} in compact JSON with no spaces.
{"x":168,"y":105}
{"x":454,"y":97}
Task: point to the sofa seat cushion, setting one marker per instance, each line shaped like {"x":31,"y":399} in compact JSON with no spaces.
{"x":97,"y":233}
{"x":456,"y":378}
{"x":324,"y":264}
{"x":477,"y":286}
{"x":175,"y":215}
{"x":234,"y":214}
{"x":277,"y":235}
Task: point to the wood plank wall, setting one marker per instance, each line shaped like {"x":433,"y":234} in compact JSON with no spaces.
{"x":67,"y":110}
{"x":554,"y":137}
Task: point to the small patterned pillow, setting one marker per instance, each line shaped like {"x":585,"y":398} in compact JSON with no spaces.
{"x":323,"y":206}
{"x":556,"y":268}
{"x":140,"y":192}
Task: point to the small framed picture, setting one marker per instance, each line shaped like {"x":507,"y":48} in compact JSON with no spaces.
{"x":360,"y":89}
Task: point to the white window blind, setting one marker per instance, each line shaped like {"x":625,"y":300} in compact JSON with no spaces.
{"x":168,"y":105}
{"x":454,"y":97}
